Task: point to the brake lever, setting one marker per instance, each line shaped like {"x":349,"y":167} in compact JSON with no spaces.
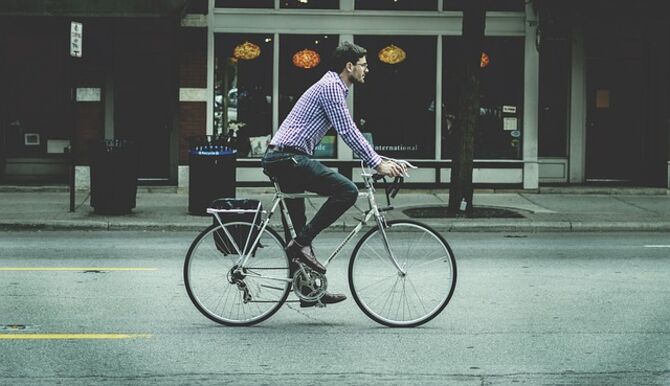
{"x":395,"y":188}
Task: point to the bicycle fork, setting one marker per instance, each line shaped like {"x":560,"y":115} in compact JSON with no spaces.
{"x":382,"y":225}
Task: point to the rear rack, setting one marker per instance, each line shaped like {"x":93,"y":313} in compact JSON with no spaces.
{"x":233,"y":211}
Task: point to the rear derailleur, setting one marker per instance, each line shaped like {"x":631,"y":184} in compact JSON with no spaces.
{"x":236,"y":276}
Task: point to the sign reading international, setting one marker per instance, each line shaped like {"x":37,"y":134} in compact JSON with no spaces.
{"x":76,"y":39}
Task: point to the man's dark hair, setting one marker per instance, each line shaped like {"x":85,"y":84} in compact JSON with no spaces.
{"x":345,"y":53}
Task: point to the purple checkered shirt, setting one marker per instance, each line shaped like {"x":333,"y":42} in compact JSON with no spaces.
{"x":322,"y":106}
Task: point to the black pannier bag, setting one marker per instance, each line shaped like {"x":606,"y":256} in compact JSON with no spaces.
{"x":239,"y":233}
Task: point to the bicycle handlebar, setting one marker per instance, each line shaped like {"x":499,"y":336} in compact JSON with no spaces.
{"x":394,"y":187}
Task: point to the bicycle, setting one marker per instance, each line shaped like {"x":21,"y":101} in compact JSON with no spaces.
{"x":402,"y":273}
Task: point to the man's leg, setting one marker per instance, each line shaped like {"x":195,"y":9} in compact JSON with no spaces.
{"x":315,"y":177}
{"x":341,"y":193}
{"x":281,"y":167}
{"x":296,"y":209}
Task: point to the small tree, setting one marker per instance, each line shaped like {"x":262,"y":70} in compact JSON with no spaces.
{"x":474,"y":22}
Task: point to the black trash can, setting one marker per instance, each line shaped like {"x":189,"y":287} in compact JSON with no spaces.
{"x":211,"y":172}
{"x":114,"y":165}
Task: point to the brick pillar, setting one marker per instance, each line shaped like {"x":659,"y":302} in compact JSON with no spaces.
{"x":192,"y":93}
{"x":192,"y":87}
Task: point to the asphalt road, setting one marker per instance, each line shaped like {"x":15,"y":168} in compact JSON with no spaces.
{"x":110,"y":308}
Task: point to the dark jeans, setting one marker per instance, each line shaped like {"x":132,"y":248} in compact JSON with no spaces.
{"x":297,"y":173}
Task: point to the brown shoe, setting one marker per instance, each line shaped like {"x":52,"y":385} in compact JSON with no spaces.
{"x":328,"y":298}
{"x":304,"y":255}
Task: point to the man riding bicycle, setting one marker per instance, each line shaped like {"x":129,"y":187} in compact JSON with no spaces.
{"x":288,"y":160}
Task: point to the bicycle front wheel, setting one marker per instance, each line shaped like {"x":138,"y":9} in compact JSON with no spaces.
{"x":392,"y":298}
{"x":227,"y":293}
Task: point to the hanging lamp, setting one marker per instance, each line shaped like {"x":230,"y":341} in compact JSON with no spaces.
{"x":246,"y":51}
{"x":391,"y":54}
{"x":306,"y":59}
{"x":484,"y":60}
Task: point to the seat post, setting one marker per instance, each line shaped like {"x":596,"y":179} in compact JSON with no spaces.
{"x":277,"y":188}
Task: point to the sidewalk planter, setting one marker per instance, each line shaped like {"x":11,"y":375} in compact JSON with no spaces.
{"x":211,"y":172}
{"x":114,"y":165}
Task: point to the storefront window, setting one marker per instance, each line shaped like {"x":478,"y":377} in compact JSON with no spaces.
{"x":34,"y":107}
{"x":396,"y":103}
{"x":395,"y":5}
{"x":303,"y":60}
{"x":499,"y":131}
{"x":244,"y":3}
{"x":243,"y":89}
{"x":310,"y":4}
{"x":554,"y":85}
{"x":491,"y":5}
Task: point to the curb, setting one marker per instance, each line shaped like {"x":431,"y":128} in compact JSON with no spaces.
{"x":443,"y":226}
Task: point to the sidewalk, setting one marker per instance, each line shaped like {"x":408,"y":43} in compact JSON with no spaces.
{"x":553,"y":209}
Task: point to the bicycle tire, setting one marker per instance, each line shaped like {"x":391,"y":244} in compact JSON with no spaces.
{"x":207,"y":277}
{"x":412,"y":243}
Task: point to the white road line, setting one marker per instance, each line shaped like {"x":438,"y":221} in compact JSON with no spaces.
{"x":657,"y":246}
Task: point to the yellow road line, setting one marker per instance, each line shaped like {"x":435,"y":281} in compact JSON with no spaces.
{"x":77,"y":269}
{"x":72,"y":336}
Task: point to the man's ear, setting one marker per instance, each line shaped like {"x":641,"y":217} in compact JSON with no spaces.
{"x":349,"y":66}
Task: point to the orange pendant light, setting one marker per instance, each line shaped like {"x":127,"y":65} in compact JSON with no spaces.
{"x":392,"y":54}
{"x":484,"y":61}
{"x":306,"y":59}
{"x":246,"y":51}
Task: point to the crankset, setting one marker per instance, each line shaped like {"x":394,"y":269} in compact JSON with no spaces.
{"x":308,"y":284}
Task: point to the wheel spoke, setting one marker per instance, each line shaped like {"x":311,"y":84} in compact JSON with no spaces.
{"x":362,"y":289}
{"x":428,"y":262}
{"x":384,"y":259}
{"x":410,"y":299}
{"x":222,"y":301}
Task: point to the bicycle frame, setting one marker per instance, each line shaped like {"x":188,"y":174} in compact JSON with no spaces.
{"x":279,"y":197}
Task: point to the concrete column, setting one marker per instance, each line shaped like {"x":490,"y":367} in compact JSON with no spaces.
{"x":183,"y":175}
{"x":344,"y":152}
{"x":109,"y":106}
{"x":577,"y":107}
{"x":275,"y":84}
{"x":438,"y":100}
{"x":82,"y":177}
{"x":531,"y":175}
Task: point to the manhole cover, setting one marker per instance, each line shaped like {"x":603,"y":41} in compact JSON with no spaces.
{"x":477,"y":212}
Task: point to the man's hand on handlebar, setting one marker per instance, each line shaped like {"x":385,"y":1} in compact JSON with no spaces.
{"x":392,"y":169}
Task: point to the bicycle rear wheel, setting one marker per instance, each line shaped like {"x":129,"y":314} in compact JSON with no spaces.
{"x":231,"y":296}
{"x":393,"y":299}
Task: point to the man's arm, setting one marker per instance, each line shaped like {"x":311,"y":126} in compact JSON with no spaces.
{"x":335,"y":106}
{"x":337,"y":111}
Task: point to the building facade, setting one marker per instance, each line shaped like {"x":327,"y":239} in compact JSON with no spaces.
{"x":571,"y":93}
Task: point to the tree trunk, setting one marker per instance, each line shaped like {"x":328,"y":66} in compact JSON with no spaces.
{"x":474,"y":22}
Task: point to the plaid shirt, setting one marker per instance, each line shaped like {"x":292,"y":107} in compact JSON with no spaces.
{"x":323,"y":106}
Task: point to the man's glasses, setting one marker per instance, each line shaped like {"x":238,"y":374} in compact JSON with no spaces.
{"x":364,"y":65}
